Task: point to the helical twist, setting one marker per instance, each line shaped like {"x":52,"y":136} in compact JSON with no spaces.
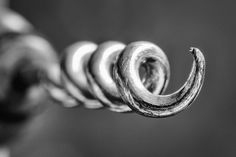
{"x":124,"y":78}
{"x":112,"y":75}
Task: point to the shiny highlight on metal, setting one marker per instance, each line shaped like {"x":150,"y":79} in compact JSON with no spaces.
{"x":112,"y":75}
{"x":127,"y":78}
{"x":143,"y":101}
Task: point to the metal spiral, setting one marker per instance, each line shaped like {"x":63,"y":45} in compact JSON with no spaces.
{"x":112,"y":75}
{"x":123,"y":78}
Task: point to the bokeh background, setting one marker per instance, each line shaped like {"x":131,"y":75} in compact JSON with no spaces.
{"x":206,"y":129}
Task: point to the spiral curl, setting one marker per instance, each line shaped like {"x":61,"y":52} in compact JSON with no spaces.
{"x":124,"y":78}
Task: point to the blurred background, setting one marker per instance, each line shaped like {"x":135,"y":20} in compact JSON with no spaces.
{"x":206,"y":129}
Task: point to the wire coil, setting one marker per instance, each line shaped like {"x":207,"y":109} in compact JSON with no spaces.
{"x":124,"y":78}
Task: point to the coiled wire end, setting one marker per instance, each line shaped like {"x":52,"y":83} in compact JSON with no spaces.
{"x":112,"y":75}
{"x":125,"y":78}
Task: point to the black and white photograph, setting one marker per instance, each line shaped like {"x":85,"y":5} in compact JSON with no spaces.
{"x":117,"y":78}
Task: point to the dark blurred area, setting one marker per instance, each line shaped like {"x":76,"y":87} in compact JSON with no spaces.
{"x":206,"y":129}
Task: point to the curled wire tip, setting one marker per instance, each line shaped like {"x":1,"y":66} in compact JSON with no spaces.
{"x":194,"y":50}
{"x":108,"y":75}
{"x":122,"y":78}
{"x":154,"y":105}
{"x":112,"y":75}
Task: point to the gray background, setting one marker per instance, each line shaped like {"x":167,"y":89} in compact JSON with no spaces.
{"x":206,"y":129}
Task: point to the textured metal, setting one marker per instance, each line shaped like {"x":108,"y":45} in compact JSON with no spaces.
{"x":127,"y":78}
{"x":143,"y":101}
{"x":112,"y":75}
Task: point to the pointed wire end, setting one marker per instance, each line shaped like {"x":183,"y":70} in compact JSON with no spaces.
{"x":194,"y":50}
{"x":198,"y":56}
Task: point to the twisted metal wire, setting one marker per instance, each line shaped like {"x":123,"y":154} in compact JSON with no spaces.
{"x":122,"y":78}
